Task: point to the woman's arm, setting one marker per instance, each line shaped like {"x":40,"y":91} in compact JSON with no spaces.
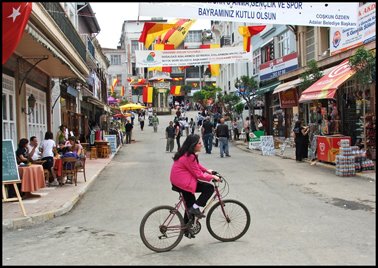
{"x":195,"y":169}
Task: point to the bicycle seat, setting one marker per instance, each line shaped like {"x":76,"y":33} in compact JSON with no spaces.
{"x":176,"y":189}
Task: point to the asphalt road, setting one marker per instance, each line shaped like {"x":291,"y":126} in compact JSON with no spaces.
{"x":301,"y":214}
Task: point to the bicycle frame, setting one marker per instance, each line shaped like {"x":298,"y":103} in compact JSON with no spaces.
{"x":216,"y":196}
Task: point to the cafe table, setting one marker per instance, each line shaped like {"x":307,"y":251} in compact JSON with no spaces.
{"x":32,"y":178}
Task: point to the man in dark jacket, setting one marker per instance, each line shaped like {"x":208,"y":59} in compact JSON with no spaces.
{"x":207,"y":134}
{"x":170,"y":134}
{"x":128,"y":129}
{"x":223,"y":135}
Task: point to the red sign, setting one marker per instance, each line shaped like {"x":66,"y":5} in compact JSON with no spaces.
{"x":328,"y":147}
{"x":288,"y":98}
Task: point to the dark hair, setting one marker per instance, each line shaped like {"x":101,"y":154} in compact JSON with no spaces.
{"x":298,"y":124}
{"x":188,"y":146}
{"x":49,"y":135}
{"x":22,"y":143}
{"x":32,"y":138}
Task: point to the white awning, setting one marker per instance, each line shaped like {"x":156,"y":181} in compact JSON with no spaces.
{"x":295,"y":83}
{"x":287,"y":85}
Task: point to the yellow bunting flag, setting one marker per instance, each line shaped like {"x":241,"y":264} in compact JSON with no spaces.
{"x":247,"y":32}
{"x":175,"y":90}
{"x":151,"y":30}
{"x":147,"y":94}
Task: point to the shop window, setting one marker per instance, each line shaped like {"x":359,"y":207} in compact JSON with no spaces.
{"x":9,"y":111}
{"x":36,"y":121}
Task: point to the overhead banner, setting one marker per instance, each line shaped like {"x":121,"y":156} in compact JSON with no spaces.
{"x":190,"y":57}
{"x":348,"y":38}
{"x":292,"y":13}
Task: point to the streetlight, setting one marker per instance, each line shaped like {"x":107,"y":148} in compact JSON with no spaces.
{"x":31,"y":104}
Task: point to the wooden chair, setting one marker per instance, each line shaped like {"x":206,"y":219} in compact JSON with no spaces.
{"x":69,"y":168}
{"x":93,"y":153}
{"x":81,"y":167}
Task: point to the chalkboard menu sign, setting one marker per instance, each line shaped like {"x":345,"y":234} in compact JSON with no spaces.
{"x":267,"y":145}
{"x":10,"y":168}
{"x":112,"y":139}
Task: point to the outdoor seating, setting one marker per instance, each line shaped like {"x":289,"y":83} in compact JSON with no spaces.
{"x":81,"y":166}
{"x":69,"y":168}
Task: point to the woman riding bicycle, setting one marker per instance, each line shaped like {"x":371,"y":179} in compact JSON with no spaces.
{"x":189,"y":175}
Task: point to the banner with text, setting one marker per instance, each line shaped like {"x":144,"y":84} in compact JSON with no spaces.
{"x":345,"y":39}
{"x":190,"y":57}
{"x":292,"y":13}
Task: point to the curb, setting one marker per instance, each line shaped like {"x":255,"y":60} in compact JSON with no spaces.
{"x":35,"y":219}
{"x":319,"y":164}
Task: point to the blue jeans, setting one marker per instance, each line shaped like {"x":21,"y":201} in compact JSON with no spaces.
{"x":208,"y":142}
{"x":223,"y":146}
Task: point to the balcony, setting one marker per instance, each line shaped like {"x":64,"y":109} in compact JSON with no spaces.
{"x":90,"y":50}
{"x":59,"y":16}
{"x":225,"y":41}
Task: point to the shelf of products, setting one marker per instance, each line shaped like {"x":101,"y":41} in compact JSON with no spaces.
{"x":370,"y":126}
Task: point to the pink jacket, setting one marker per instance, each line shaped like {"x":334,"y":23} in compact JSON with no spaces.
{"x":186,"y":171}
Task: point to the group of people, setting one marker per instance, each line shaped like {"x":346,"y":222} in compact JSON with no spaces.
{"x":176,"y":128}
{"x":30,"y":151}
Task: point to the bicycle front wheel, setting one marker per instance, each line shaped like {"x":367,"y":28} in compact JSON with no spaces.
{"x":161,"y":229}
{"x":229,"y":222}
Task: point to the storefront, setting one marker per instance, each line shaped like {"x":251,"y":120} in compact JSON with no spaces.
{"x":335,"y":106}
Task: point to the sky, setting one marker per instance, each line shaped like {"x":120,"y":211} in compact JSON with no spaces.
{"x":110,"y":17}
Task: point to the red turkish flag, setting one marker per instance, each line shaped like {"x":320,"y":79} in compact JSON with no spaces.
{"x":15,"y":18}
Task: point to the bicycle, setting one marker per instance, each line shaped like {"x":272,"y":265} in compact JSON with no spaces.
{"x":162,"y":228}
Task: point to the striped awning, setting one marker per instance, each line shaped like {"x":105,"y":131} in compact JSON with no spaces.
{"x":325,"y":87}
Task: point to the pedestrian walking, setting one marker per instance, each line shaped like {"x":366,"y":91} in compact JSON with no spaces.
{"x":235,"y":129}
{"x":141,"y":118}
{"x":207,"y":134}
{"x":155,"y":122}
{"x":300,"y":132}
{"x":223,"y":133}
{"x":246,"y":129}
{"x":170,"y":134}
{"x":128,"y":128}
{"x":192,"y":126}
{"x":178,"y":134}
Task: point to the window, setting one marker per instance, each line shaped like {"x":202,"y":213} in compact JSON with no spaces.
{"x":134,"y":46}
{"x":310,"y":43}
{"x":267,"y":52}
{"x":9,"y":111}
{"x":256,"y":62}
{"x":283,"y":45}
{"x":115,"y":59}
{"x":193,"y":36}
{"x":37,"y":121}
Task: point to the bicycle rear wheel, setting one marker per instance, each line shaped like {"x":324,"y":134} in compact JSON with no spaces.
{"x":230,"y":225}
{"x":161,"y":229}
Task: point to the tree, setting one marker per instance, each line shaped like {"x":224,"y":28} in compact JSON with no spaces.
{"x":311,"y":75}
{"x":247,"y":87}
{"x":205,"y":94}
{"x":228,"y":101}
{"x":363,"y":62}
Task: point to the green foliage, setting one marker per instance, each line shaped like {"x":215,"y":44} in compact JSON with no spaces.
{"x":311,"y":75}
{"x":238,"y":108}
{"x":250,"y":85}
{"x":208,"y":92}
{"x":123,"y":102}
{"x":363,"y":62}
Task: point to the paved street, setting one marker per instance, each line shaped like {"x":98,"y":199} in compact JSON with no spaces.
{"x":301,"y":214}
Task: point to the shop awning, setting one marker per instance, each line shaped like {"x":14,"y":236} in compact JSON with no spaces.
{"x":266,"y":89}
{"x":287,"y":85}
{"x":325,"y":87}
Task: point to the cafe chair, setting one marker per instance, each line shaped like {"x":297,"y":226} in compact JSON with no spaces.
{"x":69,"y":168}
{"x":81,"y":166}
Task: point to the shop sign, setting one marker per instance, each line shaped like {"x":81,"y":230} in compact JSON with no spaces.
{"x":288,"y":98}
{"x":278,"y":67}
{"x":342,"y":39}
